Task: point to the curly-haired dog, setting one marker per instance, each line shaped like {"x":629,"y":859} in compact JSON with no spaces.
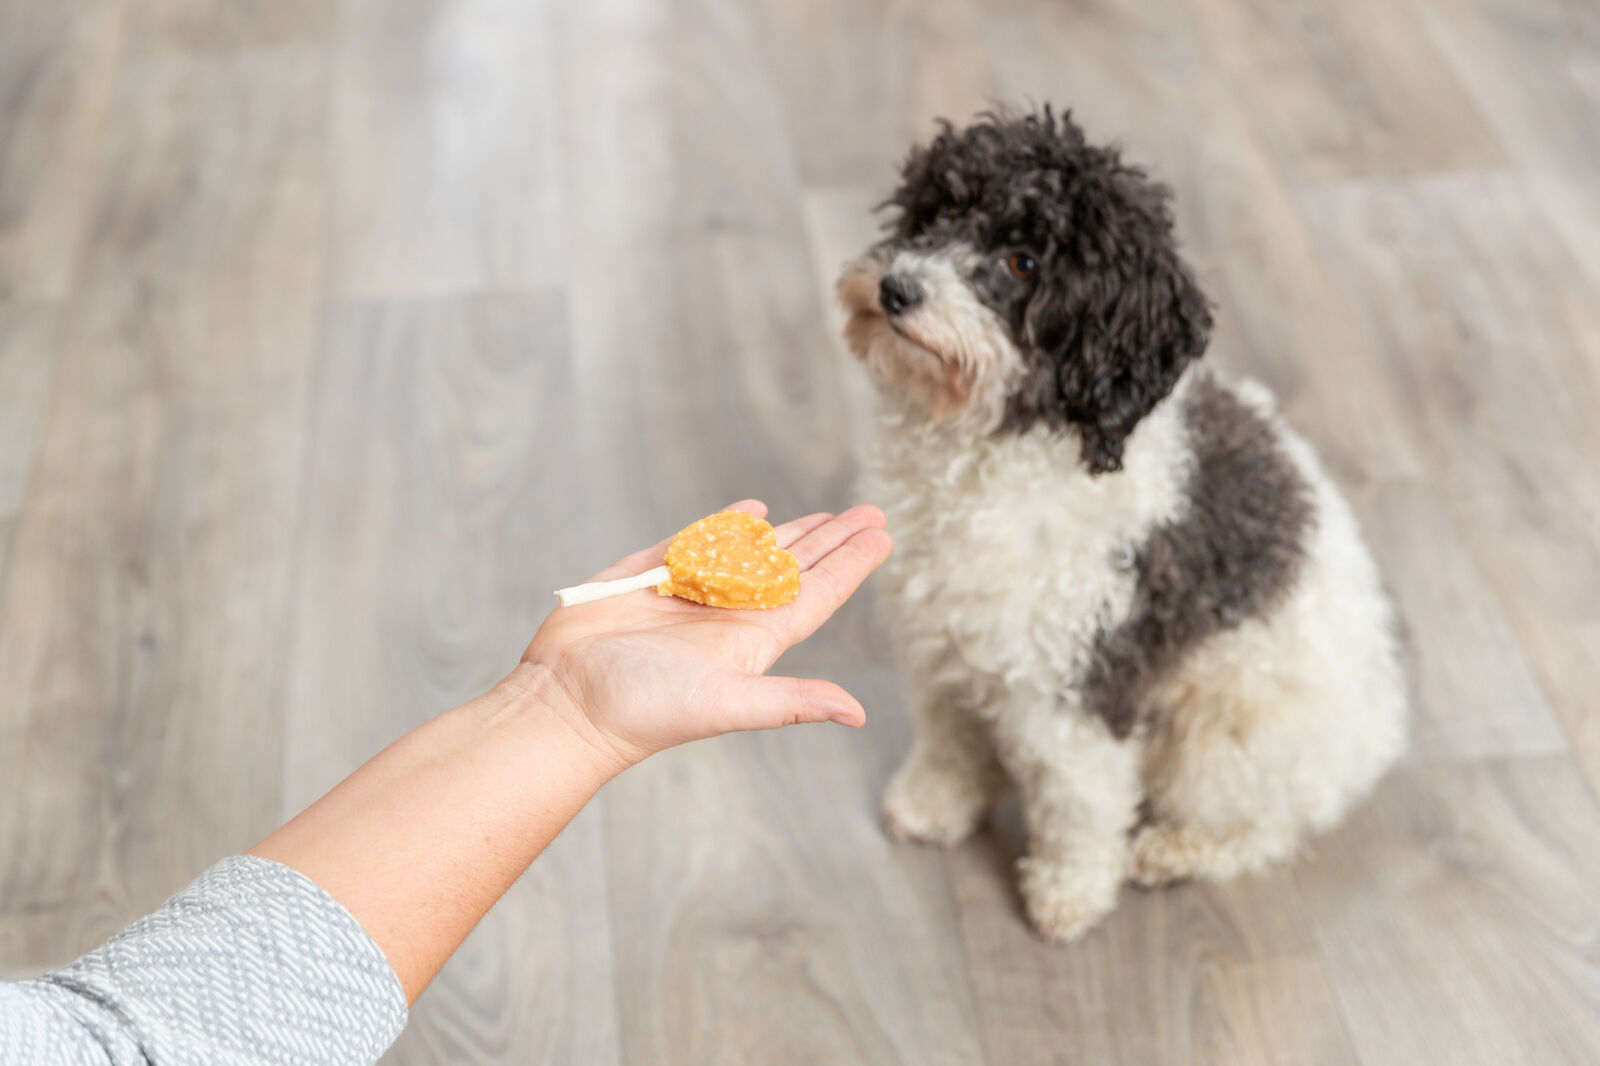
{"x":1122,"y":583}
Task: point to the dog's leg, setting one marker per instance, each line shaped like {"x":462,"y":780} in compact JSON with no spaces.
{"x":1080,"y":797}
{"x":1163,"y":852}
{"x":948,"y":781}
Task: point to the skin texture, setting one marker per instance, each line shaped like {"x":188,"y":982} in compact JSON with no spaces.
{"x":422,"y":840}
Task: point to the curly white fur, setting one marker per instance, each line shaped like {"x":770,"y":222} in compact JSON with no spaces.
{"x":1121,"y":585}
{"x":1012,"y":560}
{"x":952,"y":353}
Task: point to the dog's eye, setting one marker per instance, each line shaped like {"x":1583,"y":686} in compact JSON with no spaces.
{"x":1021,"y":265}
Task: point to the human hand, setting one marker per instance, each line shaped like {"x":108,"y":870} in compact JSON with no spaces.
{"x":644,"y":672}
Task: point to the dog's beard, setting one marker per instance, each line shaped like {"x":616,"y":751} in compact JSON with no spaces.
{"x":950,"y":354}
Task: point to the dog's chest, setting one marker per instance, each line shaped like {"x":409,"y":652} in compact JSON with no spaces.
{"x":1008,"y":554}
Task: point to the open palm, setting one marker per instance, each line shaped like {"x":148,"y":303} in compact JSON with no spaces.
{"x":651,"y":671}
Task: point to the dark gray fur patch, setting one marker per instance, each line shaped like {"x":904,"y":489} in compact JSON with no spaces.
{"x":1231,"y":557}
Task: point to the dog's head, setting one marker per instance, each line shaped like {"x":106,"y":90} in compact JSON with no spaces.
{"x":1028,"y":277}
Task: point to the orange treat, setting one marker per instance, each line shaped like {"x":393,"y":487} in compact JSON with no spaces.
{"x":731,"y":559}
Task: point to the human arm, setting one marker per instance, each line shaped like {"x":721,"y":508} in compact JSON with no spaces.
{"x":421,"y":841}
{"x":309,"y":948}
{"x":251,"y":963}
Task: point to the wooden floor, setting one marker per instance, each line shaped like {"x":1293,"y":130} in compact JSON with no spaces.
{"x":334,"y":335}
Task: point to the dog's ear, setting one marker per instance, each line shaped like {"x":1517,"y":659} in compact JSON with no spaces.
{"x":1115,"y":337}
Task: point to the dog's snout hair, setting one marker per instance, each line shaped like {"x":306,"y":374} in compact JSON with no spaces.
{"x":925,"y":333}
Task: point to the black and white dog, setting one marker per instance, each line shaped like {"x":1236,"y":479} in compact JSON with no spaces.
{"x":1122,"y":584}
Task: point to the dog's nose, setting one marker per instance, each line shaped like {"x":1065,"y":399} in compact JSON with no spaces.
{"x":898,"y":294}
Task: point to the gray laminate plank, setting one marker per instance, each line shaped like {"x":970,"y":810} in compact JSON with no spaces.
{"x":58,"y":64}
{"x":759,"y":915}
{"x":1280,"y":315}
{"x":1476,"y":695}
{"x":445,"y":165}
{"x":438,"y":518}
{"x":780,"y":926}
{"x":578,"y":263}
{"x":143,"y":626}
{"x":1455,"y":916}
{"x":1347,"y":90}
{"x":1181,"y":975}
{"x":209,"y":26}
{"x":1533,"y":70}
{"x":1489,"y":330}
{"x":27,"y":360}
{"x":845,"y":92}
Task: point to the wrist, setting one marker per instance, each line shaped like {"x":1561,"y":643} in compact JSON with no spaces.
{"x":533,"y":694}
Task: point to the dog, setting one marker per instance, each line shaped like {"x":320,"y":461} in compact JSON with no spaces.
{"x":1123,"y":586}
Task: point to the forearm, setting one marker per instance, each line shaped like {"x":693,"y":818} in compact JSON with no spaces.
{"x":422,"y":840}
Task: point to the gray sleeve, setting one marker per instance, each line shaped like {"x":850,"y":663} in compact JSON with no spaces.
{"x":250,"y":964}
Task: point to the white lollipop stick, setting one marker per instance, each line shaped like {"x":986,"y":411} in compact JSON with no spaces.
{"x":599,"y":590}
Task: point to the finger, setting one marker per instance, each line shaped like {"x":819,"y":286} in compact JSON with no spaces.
{"x":826,"y":537}
{"x":646,"y":558}
{"x":790,"y":532}
{"x":834,"y":578}
{"x":774,"y":702}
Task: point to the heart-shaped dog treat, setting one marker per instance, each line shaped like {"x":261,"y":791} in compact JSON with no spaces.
{"x":731,"y":559}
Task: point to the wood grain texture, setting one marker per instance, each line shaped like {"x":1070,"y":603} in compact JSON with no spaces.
{"x":766,"y":938}
{"x":1281,"y":317}
{"x":1356,"y":89}
{"x":692,"y":297}
{"x":1275,"y":1013}
{"x":1476,"y":694}
{"x":333,"y":336}
{"x":27,"y":359}
{"x":436,"y":471}
{"x":144,"y":622}
{"x":1463,"y":890}
{"x":1498,"y":364}
{"x":58,"y":66}
{"x":205,"y":26}
{"x":1533,"y":71}
{"x":1170,"y":977}
{"x":783,"y":928}
{"x":445,"y":169}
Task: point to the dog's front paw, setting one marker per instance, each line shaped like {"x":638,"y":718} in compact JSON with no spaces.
{"x":1064,"y":902}
{"x":1160,"y":854}
{"x":932,"y":808}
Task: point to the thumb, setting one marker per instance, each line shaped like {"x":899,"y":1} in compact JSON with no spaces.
{"x":774,"y":702}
